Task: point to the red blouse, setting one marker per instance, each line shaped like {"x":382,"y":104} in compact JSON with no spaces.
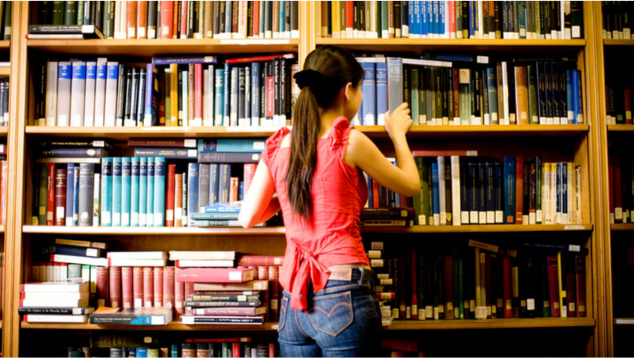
{"x":332,"y":238}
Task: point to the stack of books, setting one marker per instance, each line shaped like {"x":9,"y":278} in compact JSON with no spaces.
{"x":616,"y":23}
{"x":532,"y":20}
{"x":168,"y":19}
{"x":152,"y":316}
{"x":138,"y":279}
{"x":447,"y":89}
{"x":62,"y":301}
{"x":184,"y":91}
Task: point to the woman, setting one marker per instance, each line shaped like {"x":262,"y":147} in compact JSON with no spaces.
{"x":329,"y":307}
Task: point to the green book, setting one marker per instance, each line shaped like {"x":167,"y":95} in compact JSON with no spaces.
{"x":438,"y":96}
{"x":152,"y":352}
{"x":492,"y":88}
{"x":464,"y":89}
{"x":57,"y":15}
{"x":422,"y":97}
{"x":419,"y":197}
{"x":450,"y":99}
{"x":43,"y":180}
{"x":74,"y":271}
{"x":521,"y":18}
{"x":43,"y":12}
{"x":35,"y":212}
{"x":70,"y":13}
{"x":80,"y":12}
{"x":384,"y":20}
{"x":533,"y":114}
{"x":538,"y":189}
{"x":85,"y":273}
{"x":6,"y":20}
{"x":414,"y":77}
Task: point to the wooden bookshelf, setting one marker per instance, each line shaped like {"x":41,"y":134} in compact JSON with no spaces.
{"x":607,"y":42}
{"x":622,"y":227}
{"x":5,"y":45}
{"x":620,"y":128}
{"x":4,"y":131}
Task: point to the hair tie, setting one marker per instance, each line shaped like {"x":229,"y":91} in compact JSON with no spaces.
{"x":310,"y":78}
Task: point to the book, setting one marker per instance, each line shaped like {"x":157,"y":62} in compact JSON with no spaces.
{"x":187,"y":319}
{"x":214,"y":275}
{"x":138,"y":316}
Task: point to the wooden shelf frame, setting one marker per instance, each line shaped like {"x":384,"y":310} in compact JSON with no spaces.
{"x":592,"y":138}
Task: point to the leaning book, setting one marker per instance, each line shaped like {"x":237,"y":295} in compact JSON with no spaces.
{"x":148,"y":316}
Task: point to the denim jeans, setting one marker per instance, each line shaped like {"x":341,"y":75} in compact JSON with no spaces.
{"x":343,"y":320}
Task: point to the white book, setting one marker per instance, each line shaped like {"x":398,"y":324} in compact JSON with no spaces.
{"x":78,"y":91}
{"x":100,"y":92}
{"x":54,"y":303}
{"x":54,"y":287}
{"x":207,"y":255}
{"x":89,"y":106}
{"x":55,"y":296}
{"x":64,"y":75}
{"x":98,"y":261}
{"x":55,"y":318}
{"x":123,"y":26}
{"x":546,"y":194}
{"x":242,"y":20}
{"x":96,"y":200}
{"x":441,"y":190}
{"x":137,"y":263}
{"x":138,"y":255}
{"x":480,"y":29}
{"x":455,"y":190}
{"x":51,"y":94}
{"x":117,"y":20}
{"x":110,"y":110}
{"x":567,"y":215}
{"x":205,"y":263}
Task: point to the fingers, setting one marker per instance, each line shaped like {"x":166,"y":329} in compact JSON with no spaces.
{"x":401,"y":107}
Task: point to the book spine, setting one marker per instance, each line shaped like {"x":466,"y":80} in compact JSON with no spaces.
{"x":192,"y":187}
{"x":159,"y":191}
{"x":102,"y":287}
{"x":158,"y":286}
{"x":60,"y":196}
{"x":86,"y":191}
{"x":178,"y":200}
{"x":169,"y":210}
{"x":126,"y":180}
{"x":203,"y":187}
{"x":115,"y":287}
{"x":70,"y":194}
{"x":134,"y":191}
{"x":148,"y":286}
{"x":168,"y":286}
{"x":149,"y":208}
{"x":143,"y":178}
{"x":127,"y":287}
{"x":137,"y":287}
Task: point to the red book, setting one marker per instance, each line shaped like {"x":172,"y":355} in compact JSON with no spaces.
{"x":142,"y":20}
{"x":171,"y":188}
{"x":413,"y":290}
{"x":102,"y":286}
{"x":179,"y":294}
{"x":349,"y":17}
{"x":235,"y":349}
{"x":168,"y":285}
{"x":402,"y":304}
{"x":184,"y":19}
{"x":270,"y":94}
{"x":189,"y":290}
{"x":452,"y":27}
{"x":115,"y":287}
{"x":256,"y":18}
{"x":266,"y":58}
{"x":249,"y":173}
{"x":571,"y":285}
{"x":137,"y":287}
{"x":628,"y":105}
{"x":553,"y":286}
{"x":263,"y":273}
{"x":271,"y":350}
{"x":611,"y":186}
{"x":218,"y":340}
{"x":60,"y":197}
{"x":487,"y":283}
{"x":215,"y":275}
{"x":158,"y":286}
{"x":519,"y":190}
{"x":175,"y":19}
{"x":178,"y":205}
{"x":248,"y":260}
{"x":274,"y":293}
{"x":127,"y":290}
{"x":166,"y":19}
{"x":148,"y":286}
{"x":50,"y":206}
{"x":198,"y":93}
{"x":618,"y":199}
{"x":131,"y":19}
{"x":580,"y":266}
{"x":449,"y":314}
{"x":508,"y":287}
{"x":375,"y":193}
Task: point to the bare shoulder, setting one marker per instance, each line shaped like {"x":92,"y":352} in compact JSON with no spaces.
{"x":357,"y":139}
{"x":286,"y":141}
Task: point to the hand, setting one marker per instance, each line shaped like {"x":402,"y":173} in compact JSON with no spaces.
{"x":399,"y":122}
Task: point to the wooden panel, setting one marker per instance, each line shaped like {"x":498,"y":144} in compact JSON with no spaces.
{"x":621,"y":128}
{"x":607,"y":42}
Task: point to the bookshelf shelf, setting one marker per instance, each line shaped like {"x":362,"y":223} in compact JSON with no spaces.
{"x":620,"y":128}
{"x":149,"y":48}
{"x":618,"y":42}
{"x":417,"y":46}
{"x":622,"y":227}
{"x":56,"y":230}
{"x":395,"y":326}
{"x":5,"y":71}
{"x":623,"y":321}
{"x":4,"y":131}
{"x":5,"y":45}
{"x":123,"y":133}
{"x":1,"y":228}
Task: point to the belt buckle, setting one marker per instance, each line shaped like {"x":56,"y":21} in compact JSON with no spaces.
{"x":341,"y":274}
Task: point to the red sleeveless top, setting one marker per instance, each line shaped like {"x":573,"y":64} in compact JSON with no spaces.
{"x":332,"y":237}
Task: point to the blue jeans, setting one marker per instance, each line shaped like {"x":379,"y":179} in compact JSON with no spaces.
{"x":343,"y":320}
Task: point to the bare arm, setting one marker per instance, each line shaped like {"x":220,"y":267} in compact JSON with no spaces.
{"x":259,"y":204}
{"x":363,"y":153}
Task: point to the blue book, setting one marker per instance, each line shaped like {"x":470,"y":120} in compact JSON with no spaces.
{"x":76,"y":196}
{"x":509,"y":190}
{"x":134,"y":190}
{"x":559,"y":193}
{"x":192,"y":189}
{"x":174,"y":352}
{"x":106,"y":192}
{"x":126,"y":180}
{"x":576,"y":97}
{"x":521,"y":19}
{"x":116,"y":191}
{"x":489,"y":172}
{"x":441,"y":18}
{"x":424,"y":21}
{"x":499,"y":193}
{"x":241,"y":191}
{"x":381,"y":92}
{"x":150,"y":116}
{"x":184,"y":60}
{"x":131,"y":352}
{"x":564,"y":193}
{"x":410,"y":19}
{"x":473,"y":188}
{"x":213,"y":183}
{"x":214,"y":216}
{"x":228,"y":18}
{"x":224,"y":183}
{"x":394,"y":82}
{"x":141,"y":352}
{"x":225,"y":103}
{"x":221,"y":208}
{"x":142,"y":191}
{"x":472,"y":19}
{"x":240,"y":145}
{"x":70,"y":193}
{"x":435,"y":194}
{"x":149,"y":208}
{"x":435,"y":20}
{"x":255,"y":94}
{"x":76,"y":251}
{"x":570,"y":102}
{"x":369,"y":94}
{"x":159,"y":191}
{"x":219,"y":99}
{"x":281,"y":19}
{"x":207,"y":146}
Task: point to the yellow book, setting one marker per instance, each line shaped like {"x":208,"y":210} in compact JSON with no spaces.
{"x":546,"y":193}
{"x":173,"y":96}
{"x":336,"y":32}
{"x":563,"y":302}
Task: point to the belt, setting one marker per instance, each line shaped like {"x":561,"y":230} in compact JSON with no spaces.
{"x":350,"y":273}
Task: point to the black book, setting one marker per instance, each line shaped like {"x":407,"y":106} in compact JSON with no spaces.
{"x":490,"y":191}
{"x":109,"y":18}
{"x":444,"y":76}
{"x":57,"y":15}
{"x":87,"y":31}
{"x":187,"y":319}
{"x":526,"y":190}
{"x":482,"y":200}
{"x":558,"y":19}
{"x":437,"y":87}
{"x":247,"y":91}
{"x":158,"y":27}
{"x":485,"y":19}
{"x":499,"y":193}
{"x":44,"y":11}
{"x":40,"y":90}
{"x":287,"y":19}
{"x":86,"y":192}
{"x":404,"y":17}
{"x":268,"y":16}
{"x":497,"y":284}
{"x":134,"y":98}
{"x":355,"y":17}
{"x":554,"y":19}
{"x":556,"y":93}
{"x":576,"y":19}
{"x":241,"y":96}
{"x":497,"y":19}
{"x":514,"y":26}
{"x":550,"y":91}
{"x":542,"y":107}
{"x":276,"y":91}
{"x":512,"y":109}
{"x":294,"y":18}
{"x":196,"y":18}
{"x":216,"y":19}
{"x":477,"y":95}
{"x":140,"y":112}
{"x":76,"y":144}
{"x":129,"y":85}
{"x":249,"y":19}
{"x":5,"y":101}
{"x":396,"y":16}
{"x":121,"y":95}
{"x":473,"y":186}
{"x":465,"y":19}
{"x":440,"y":286}
{"x":547,"y":22}
{"x":70,"y":13}
{"x":421,"y":284}
{"x":74,"y":153}
{"x":464,"y":193}
{"x":152,"y":17}
{"x":190,"y":19}
{"x":55,"y":310}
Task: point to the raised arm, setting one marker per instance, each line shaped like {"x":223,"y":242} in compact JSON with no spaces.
{"x":363,"y":153}
{"x":259,"y":205}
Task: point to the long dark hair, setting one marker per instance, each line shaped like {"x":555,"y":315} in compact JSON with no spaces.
{"x":326,"y":70}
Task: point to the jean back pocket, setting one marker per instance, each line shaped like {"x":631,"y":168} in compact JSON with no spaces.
{"x":283,"y":311}
{"x":332,"y":313}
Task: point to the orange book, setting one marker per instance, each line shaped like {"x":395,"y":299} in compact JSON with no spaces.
{"x":175,"y":16}
{"x":521,"y":94}
{"x":276,"y":19}
{"x":142,"y":20}
{"x":173,"y":96}
{"x":178,"y":200}
{"x":519,"y":190}
{"x":324,"y":19}
{"x":166,"y":19}
{"x":256,"y":20}
{"x":131,"y":19}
